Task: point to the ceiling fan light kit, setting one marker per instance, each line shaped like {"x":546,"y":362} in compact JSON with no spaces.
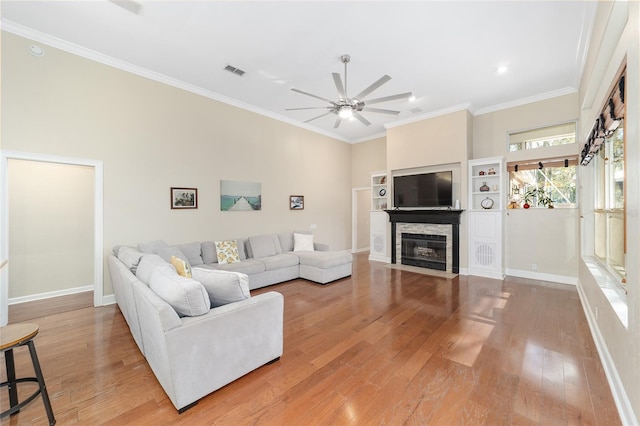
{"x":346,"y":107}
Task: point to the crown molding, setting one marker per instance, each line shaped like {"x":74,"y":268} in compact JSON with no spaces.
{"x":75,"y":49}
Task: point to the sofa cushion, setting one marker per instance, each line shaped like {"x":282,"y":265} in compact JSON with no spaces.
{"x":302,"y":242}
{"x":182,"y":266}
{"x":279,"y":261}
{"x":249,"y":266}
{"x":227,"y":251}
{"x":263,"y":246}
{"x":152,"y":246}
{"x":147,"y":265}
{"x":130,"y":257}
{"x":187,"y":296}
{"x":209,"y":252}
{"x":223,"y":287}
{"x":193,"y":251}
{"x":167,"y":252}
{"x":324,"y":259}
{"x":286,"y":241}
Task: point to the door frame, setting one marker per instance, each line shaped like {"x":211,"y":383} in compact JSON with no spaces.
{"x":98,"y":221}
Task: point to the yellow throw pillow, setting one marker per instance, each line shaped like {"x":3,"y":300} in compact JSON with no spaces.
{"x":182,"y":266}
{"x":227,"y":251}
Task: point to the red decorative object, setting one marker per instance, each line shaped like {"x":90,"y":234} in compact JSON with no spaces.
{"x":526,"y":206}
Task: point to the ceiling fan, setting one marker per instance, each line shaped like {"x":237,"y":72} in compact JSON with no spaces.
{"x":346,"y":107}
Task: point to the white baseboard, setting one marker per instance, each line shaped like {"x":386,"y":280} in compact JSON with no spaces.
{"x":625,"y":410}
{"x":360,"y":250}
{"x":49,"y":294}
{"x":562,"y":279}
{"x":109,"y":299}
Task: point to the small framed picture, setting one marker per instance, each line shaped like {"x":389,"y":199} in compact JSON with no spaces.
{"x":184,"y":198}
{"x":296,"y":202}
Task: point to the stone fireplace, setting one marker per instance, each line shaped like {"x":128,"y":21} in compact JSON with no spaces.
{"x":430,"y":238}
{"x":424,"y":250}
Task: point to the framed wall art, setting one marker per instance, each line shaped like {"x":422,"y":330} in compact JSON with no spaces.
{"x":296,"y":202}
{"x":184,"y":198}
{"x":237,"y":195}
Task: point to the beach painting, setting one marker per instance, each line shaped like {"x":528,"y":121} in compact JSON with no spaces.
{"x":240,"y":196}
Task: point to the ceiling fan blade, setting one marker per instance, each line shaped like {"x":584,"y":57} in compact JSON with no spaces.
{"x":295,"y":109}
{"x":389,"y":98}
{"x":338,"y":81}
{"x":361,"y":118}
{"x":382,"y":80}
{"x":338,"y":120}
{"x":313,"y":96}
{"x":381,"y":111}
{"x":321,"y":115}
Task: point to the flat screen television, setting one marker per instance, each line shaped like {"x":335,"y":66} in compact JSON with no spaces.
{"x":423,"y":190}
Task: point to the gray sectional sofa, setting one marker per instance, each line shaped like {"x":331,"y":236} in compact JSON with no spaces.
{"x":266,"y":259}
{"x":198,"y":336}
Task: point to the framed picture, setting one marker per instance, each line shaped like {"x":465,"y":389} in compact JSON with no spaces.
{"x":184,"y":198}
{"x":296,"y":202}
{"x":238,"y":195}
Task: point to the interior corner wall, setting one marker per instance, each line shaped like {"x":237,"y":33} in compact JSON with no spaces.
{"x":367,"y":157}
{"x":151,"y":137}
{"x":616,"y":38}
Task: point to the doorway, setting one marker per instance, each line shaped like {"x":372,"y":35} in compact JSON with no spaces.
{"x":51,"y":229}
{"x":361,"y":206}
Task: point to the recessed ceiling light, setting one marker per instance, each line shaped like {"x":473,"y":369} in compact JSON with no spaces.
{"x":36,"y":50}
{"x":412,"y":98}
{"x":502,"y":69}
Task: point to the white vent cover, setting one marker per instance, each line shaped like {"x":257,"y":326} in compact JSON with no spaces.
{"x":378,"y":243}
{"x":484,"y":255}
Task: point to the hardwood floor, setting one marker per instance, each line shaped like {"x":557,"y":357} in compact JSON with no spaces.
{"x":26,"y":311}
{"x":385,"y":346}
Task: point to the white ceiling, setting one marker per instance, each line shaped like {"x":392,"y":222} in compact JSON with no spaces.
{"x":445,"y":52}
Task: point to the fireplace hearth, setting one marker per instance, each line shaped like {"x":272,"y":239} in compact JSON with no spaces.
{"x":425,"y":251}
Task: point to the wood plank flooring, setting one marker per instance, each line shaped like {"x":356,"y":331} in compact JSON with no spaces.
{"x":385,"y":346}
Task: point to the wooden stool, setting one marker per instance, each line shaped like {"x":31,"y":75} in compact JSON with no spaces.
{"x":11,"y":337}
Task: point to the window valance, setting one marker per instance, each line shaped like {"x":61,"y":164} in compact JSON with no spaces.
{"x":607,"y":122}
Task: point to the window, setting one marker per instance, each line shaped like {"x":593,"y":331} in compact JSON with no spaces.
{"x":543,"y":183}
{"x":543,"y":137}
{"x":609,"y":204}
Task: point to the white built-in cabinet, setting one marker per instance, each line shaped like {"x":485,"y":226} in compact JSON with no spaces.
{"x":487,"y":199}
{"x":378,"y":221}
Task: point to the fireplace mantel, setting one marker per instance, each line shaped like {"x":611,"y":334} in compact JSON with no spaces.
{"x":447,"y":217}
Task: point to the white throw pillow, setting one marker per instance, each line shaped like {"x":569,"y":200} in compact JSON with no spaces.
{"x":223,"y":286}
{"x":302,"y":242}
{"x":227,"y":251}
{"x":187,"y":296}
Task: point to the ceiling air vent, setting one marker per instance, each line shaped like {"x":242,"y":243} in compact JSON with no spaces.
{"x":234,"y":70}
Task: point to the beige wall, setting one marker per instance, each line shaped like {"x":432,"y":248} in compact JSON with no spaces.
{"x":615,"y":37}
{"x":367,"y":157}
{"x":151,"y":137}
{"x":525,"y":243}
{"x":51,"y":227}
{"x":490,"y":130}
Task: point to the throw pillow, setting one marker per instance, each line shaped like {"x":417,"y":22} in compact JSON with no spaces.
{"x":182,"y":266}
{"x":130,"y":257}
{"x":188,"y":297}
{"x":227,"y":251}
{"x":223,"y":286}
{"x":302,"y":242}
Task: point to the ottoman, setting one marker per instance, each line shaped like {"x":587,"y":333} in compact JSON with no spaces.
{"x":324,"y":266}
